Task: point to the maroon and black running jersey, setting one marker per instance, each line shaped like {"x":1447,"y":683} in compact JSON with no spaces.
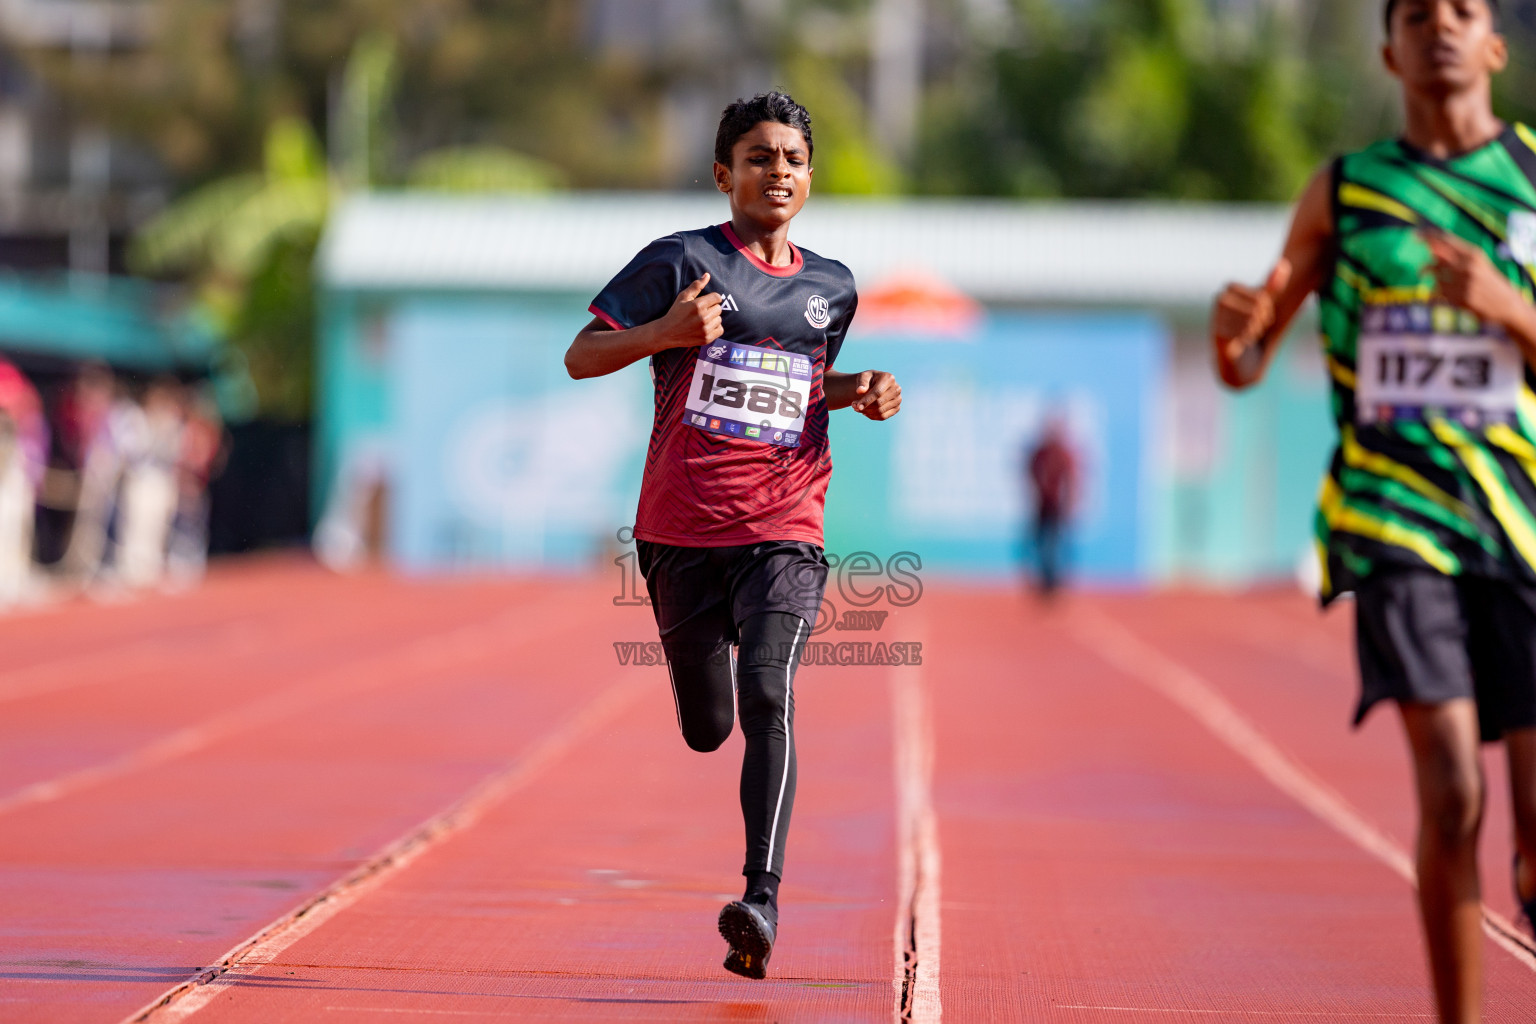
{"x":739,"y":450}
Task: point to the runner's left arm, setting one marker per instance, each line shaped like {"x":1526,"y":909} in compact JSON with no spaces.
{"x":1466,"y":278}
{"x":1247,"y":324}
{"x":874,"y":393}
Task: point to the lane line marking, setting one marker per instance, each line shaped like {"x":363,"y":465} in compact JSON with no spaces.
{"x":67,"y":673}
{"x":443,"y":1013}
{"x":233,"y":634}
{"x":1122,"y":649}
{"x":917,"y":939}
{"x":1288,"y":1014}
{"x":435,"y":653}
{"x":244,"y":960}
{"x":213,"y":641}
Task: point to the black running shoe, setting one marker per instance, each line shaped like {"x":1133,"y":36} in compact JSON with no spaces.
{"x":750,"y":928}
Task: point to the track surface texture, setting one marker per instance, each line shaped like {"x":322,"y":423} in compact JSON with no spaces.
{"x":290,"y":796}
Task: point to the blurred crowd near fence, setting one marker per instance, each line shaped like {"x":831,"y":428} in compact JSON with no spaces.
{"x":385,"y":219}
{"x":103,"y":483}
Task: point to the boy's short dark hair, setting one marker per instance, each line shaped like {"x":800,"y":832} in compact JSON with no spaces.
{"x":1386,"y":17}
{"x":744,"y":115}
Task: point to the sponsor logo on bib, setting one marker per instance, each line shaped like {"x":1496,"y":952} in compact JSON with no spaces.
{"x":818,"y":312}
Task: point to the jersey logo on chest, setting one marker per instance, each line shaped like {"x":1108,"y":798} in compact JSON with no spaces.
{"x":818,"y":312}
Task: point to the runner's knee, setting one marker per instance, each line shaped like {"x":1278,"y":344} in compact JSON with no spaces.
{"x":704,"y":692}
{"x":706,"y":732}
{"x":1447,"y":770}
{"x":767,"y":705}
{"x":770,"y":651}
{"x":1452,"y":805}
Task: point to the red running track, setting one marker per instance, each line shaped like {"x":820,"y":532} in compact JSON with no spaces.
{"x":292,"y":796}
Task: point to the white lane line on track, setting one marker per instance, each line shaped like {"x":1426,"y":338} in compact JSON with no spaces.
{"x":1121,"y":648}
{"x":919,"y":870}
{"x":66,"y":673}
{"x":435,"y":653}
{"x":1287,"y":1014}
{"x":267,"y":945}
{"x":132,"y":655}
{"x":442,"y":1013}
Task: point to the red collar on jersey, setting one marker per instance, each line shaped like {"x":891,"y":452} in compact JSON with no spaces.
{"x":757,"y":261}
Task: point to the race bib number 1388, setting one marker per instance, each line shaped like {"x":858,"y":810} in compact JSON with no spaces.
{"x":751,"y":392}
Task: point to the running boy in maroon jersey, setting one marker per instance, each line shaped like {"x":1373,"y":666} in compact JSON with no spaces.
{"x":729,"y":530}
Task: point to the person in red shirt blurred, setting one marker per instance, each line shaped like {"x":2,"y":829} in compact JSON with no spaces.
{"x":200,"y":459}
{"x":23,"y":454}
{"x":1053,"y":482}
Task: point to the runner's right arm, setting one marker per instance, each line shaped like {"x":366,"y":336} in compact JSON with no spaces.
{"x":600,"y":348}
{"x":1248,"y":323}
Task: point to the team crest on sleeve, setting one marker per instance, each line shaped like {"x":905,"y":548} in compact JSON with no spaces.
{"x":1522,"y":236}
{"x":818,"y":312}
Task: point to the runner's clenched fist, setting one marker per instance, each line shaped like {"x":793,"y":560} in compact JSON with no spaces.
{"x":1242,"y":319}
{"x":694,"y":318}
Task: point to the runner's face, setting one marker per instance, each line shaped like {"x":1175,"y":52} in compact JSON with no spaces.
{"x":770,"y":174}
{"x":1443,"y":45}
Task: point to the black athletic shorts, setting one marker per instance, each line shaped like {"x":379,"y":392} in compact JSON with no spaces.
{"x":702,"y":595}
{"x":1426,"y":638}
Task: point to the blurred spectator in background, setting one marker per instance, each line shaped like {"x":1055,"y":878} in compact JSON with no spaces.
{"x":15,"y":516}
{"x":141,"y":501}
{"x":23,"y":457}
{"x":150,"y":488}
{"x":83,"y":410}
{"x":201,"y":458}
{"x":351,"y":532}
{"x":1053,"y":478}
{"x":107,"y":423}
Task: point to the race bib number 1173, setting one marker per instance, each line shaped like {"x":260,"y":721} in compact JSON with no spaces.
{"x":751,"y":392}
{"x":1416,"y":361}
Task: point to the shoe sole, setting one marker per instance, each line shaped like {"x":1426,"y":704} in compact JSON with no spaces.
{"x":750,"y":945}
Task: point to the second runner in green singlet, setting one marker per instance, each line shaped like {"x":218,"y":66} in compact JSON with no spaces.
{"x":1422,"y":251}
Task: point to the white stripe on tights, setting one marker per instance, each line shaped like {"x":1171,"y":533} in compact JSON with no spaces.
{"x":677,"y":704}
{"x":789,"y":675}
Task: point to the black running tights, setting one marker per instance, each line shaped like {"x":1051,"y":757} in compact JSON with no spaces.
{"x":710,"y":689}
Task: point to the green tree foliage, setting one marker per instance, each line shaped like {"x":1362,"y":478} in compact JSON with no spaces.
{"x":1515,"y":89}
{"x":847,"y":160}
{"x":1132,"y":98}
{"x":247,"y":240}
{"x":516,"y":74}
{"x":1199,"y":99}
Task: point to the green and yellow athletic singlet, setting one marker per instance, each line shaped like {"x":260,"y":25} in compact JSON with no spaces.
{"x":1436,"y":464}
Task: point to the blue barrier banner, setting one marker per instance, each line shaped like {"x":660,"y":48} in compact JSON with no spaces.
{"x":501,"y":461}
{"x":947,"y":477}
